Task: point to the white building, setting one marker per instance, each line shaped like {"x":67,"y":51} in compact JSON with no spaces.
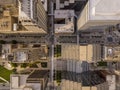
{"x":99,"y":13}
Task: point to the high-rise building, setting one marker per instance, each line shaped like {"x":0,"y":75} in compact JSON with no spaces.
{"x":23,"y":15}
{"x":99,"y":14}
{"x":77,"y":58}
{"x":89,"y":53}
{"x":90,"y":80}
{"x":32,"y":15}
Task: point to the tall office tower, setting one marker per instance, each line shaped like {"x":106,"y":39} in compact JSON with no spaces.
{"x":32,"y":15}
{"x":90,"y":80}
{"x":99,"y":14}
{"x":89,"y":53}
{"x":79,"y":57}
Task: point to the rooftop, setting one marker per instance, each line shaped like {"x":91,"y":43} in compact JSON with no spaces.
{"x":89,"y":78}
{"x":39,"y":74}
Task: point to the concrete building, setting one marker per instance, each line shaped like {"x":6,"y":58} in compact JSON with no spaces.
{"x":32,"y":15}
{"x":64,"y":21}
{"x":89,"y":53}
{"x":110,"y":78}
{"x":8,"y":15}
{"x":117,"y":79}
{"x":84,"y":81}
{"x":35,"y":81}
{"x":111,"y":53}
{"x":71,"y":66}
{"x":18,"y":82}
{"x":45,"y":4}
{"x":4,"y":86}
{"x":3,"y":2}
{"x":23,"y":16}
{"x":6,"y":50}
{"x":66,"y":15}
{"x":99,"y":14}
{"x":70,"y":52}
{"x":21,"y":53}
{"x":77,"y":58}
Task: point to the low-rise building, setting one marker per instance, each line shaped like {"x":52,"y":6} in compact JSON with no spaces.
{"x":111,"y":53}
{"x":4,"y":86}
{"x":37,"y":80}
{"x":21,"y":53}
{"x":8,"y":15}
{"x":64,"y":21}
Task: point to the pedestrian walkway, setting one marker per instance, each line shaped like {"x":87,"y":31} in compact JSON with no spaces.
{"x":4,"y":80}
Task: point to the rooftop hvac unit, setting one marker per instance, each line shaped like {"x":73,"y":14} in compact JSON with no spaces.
{"x":15,"y":27}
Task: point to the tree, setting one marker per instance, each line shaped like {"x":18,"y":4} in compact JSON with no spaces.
{"x":14,"y":42}
{"x":14,"y":65}
{"x":2,"y":42}
{"x":24,"y":65}
{"x":44,"y":64}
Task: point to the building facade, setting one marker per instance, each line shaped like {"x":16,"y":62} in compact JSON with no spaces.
{"x":89,"y":53}
{"x":99,"y":14}
{"x":33,"y":14}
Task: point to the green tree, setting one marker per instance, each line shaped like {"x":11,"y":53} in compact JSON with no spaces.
{"x":44,"y":64}
{"x":14,"y":42}
{"x":14,"y":65}
{"x":2,"y":42}
{"x":24,"y":65}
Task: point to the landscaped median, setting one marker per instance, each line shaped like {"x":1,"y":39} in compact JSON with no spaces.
{"x":5,"y":74}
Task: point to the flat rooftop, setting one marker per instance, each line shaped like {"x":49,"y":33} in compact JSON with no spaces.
{"x":39,"y":74}
{"x":2,"y":2}
{"x":89,"y":78}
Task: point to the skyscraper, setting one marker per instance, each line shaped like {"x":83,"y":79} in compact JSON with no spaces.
{"x":32,"y":13}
